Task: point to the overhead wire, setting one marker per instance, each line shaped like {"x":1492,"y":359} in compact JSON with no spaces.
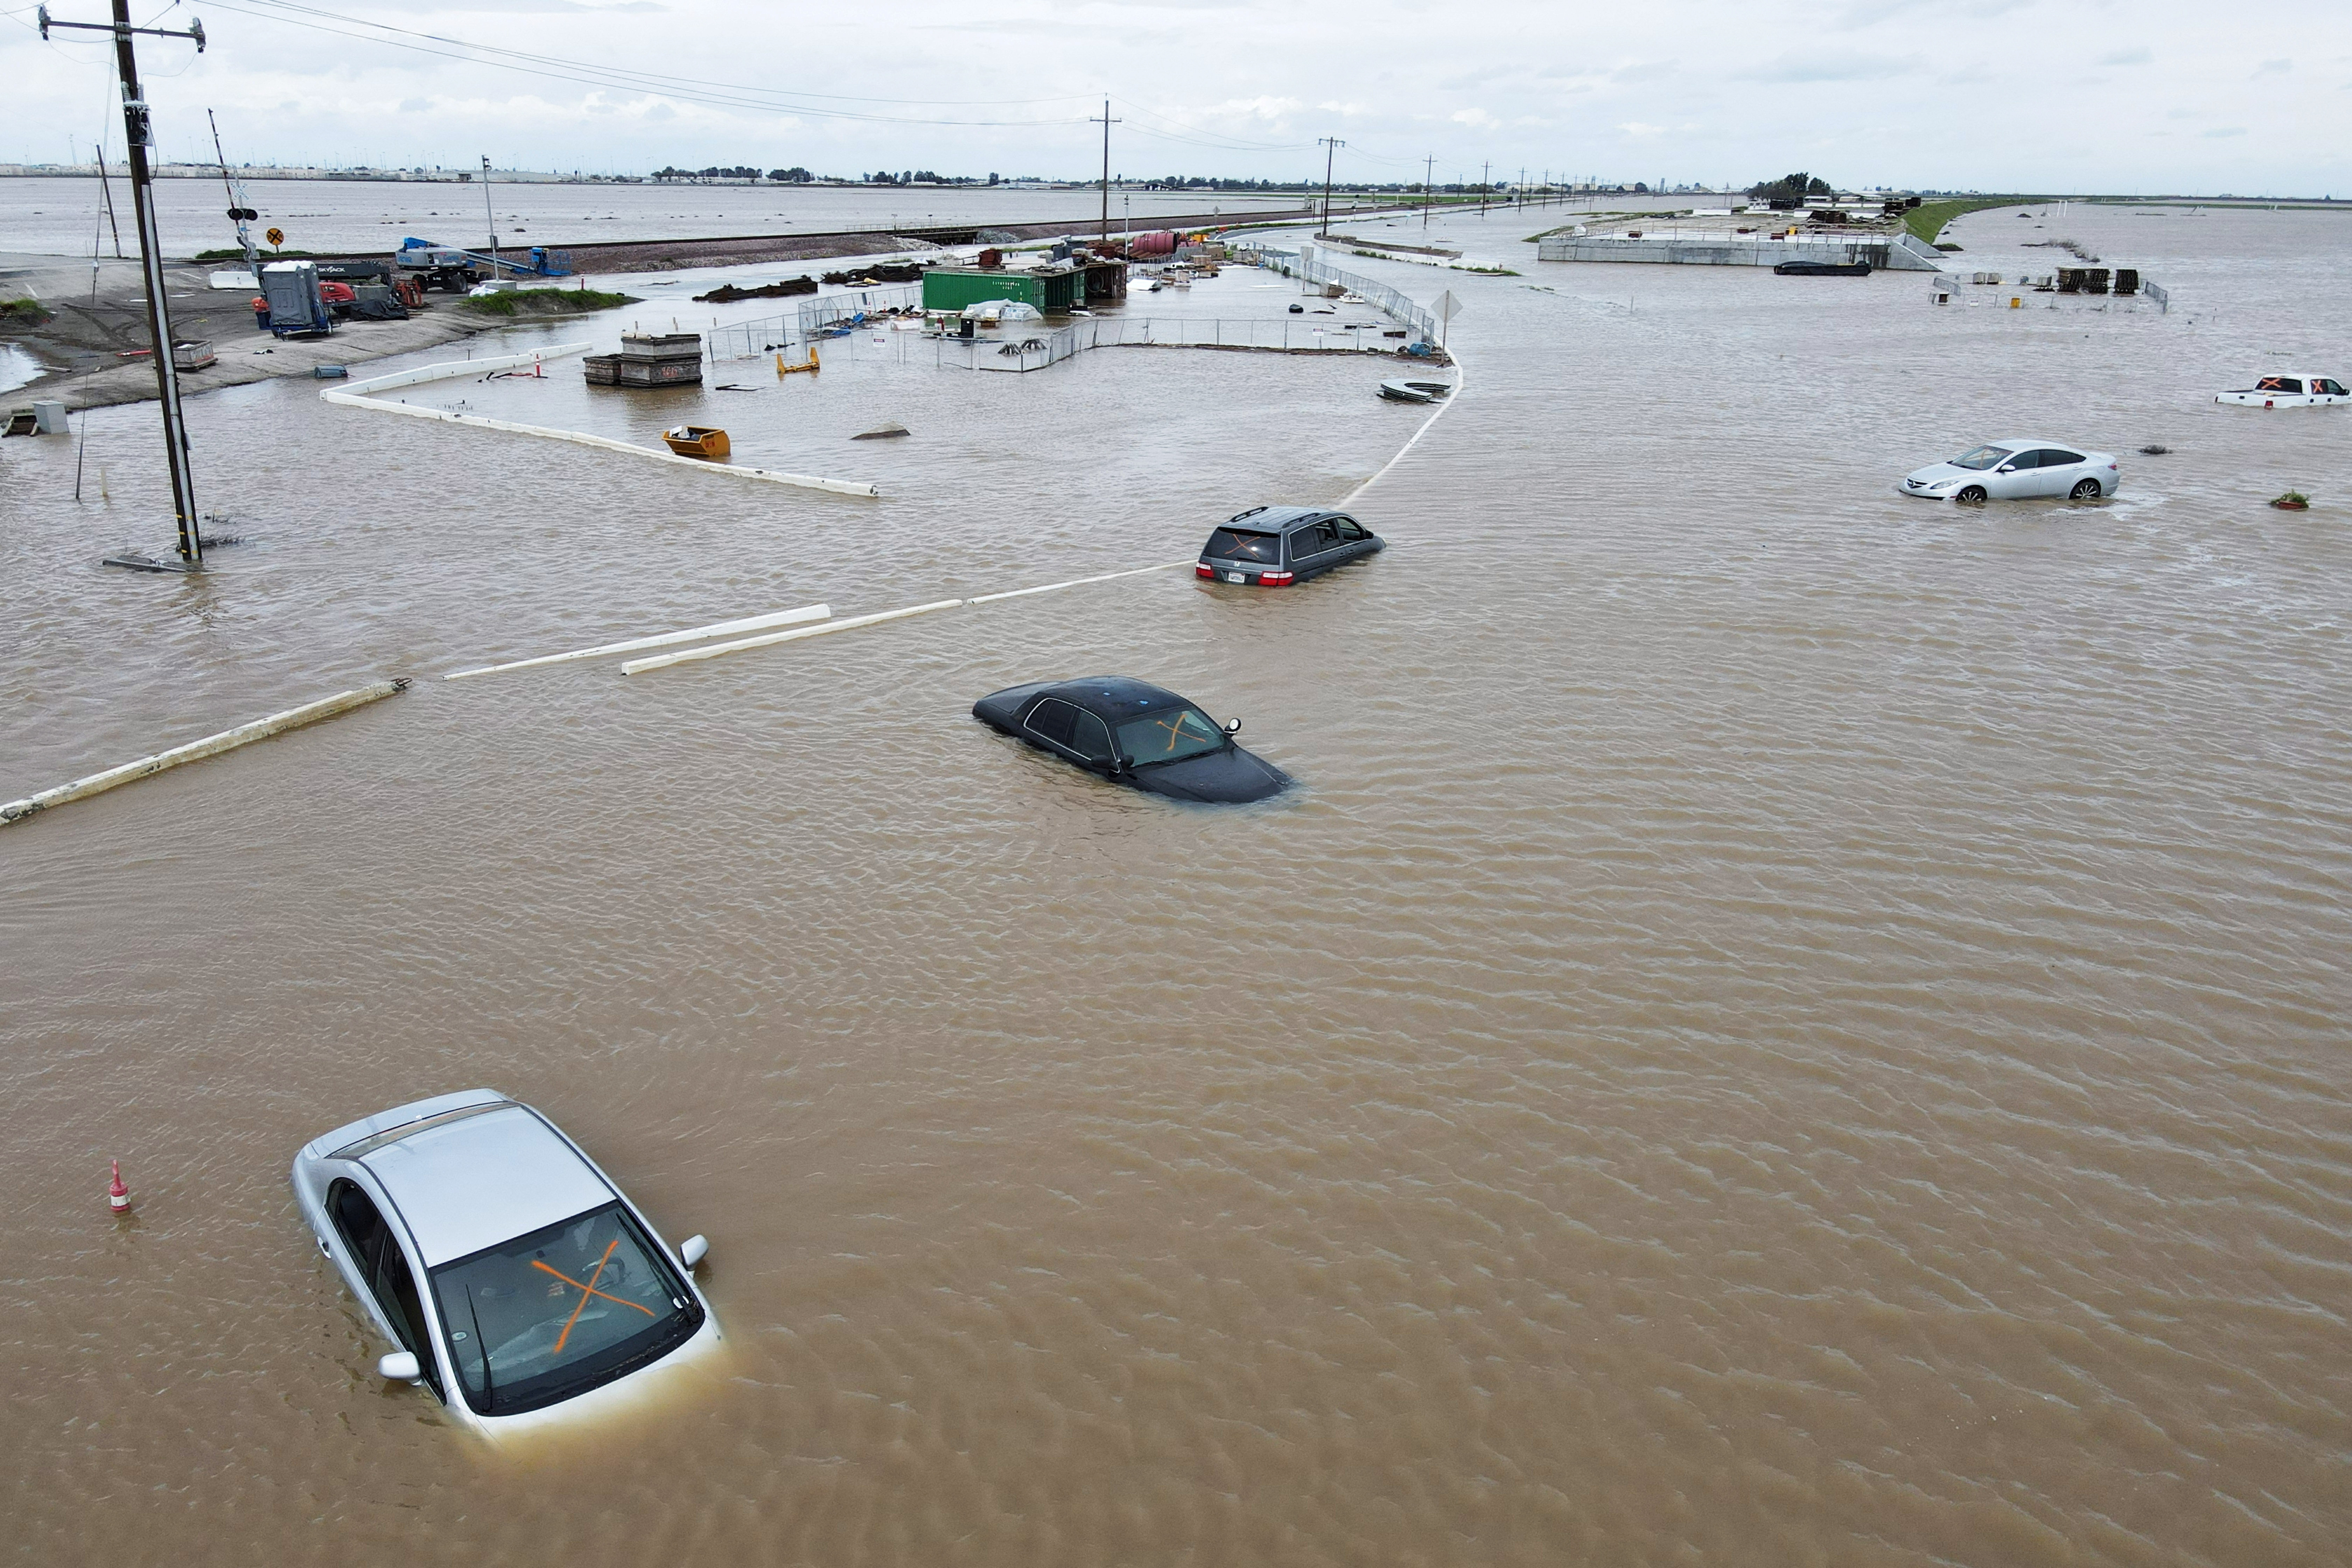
{"x":763,"y":99}
{"x":656,"y":76}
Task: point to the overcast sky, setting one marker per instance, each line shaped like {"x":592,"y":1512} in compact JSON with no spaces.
{"x":2129,"y":96}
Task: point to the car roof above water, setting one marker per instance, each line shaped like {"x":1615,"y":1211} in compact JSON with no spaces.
{"x":477,"y":1170}
{"x":1276,"y":519}
{"x":1113,"y":696}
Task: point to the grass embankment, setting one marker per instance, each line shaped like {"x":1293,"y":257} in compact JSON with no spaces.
{"x":1928,"y":219}
{"x":545,"y":301}
{"x":24,"y":314}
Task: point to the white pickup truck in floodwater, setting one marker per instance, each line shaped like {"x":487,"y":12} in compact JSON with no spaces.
{"x":2287,"y":392}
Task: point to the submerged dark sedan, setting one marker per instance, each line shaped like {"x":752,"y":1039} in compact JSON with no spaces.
{"x":1134,"y":733}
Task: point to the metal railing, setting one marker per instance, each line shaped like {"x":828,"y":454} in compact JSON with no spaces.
{"x":1312,"y":270}
{"x":815,"y":317}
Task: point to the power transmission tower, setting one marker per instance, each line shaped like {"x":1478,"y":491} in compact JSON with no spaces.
{"x":1331,"y":146}
{"x":1428,"y":191}
{"x":1107,"y":123}
{"x":138,"y":135}
{"x":1485,"y":186}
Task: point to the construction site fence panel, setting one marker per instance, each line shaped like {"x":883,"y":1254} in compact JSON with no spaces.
{"x":1312,"y":268}
{"x":816,"y":318}
{"x":1035,"y":351}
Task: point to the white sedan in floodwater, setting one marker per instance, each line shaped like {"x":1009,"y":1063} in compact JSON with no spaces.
{"x":2018,"y":466}
{"x":510,"y":1274}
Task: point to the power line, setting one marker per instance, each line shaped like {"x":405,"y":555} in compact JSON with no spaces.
{"x":626,"y":81}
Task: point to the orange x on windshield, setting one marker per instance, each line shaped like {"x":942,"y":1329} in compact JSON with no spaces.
{"x":1174,"y":727}
{"x":587,"y":1291}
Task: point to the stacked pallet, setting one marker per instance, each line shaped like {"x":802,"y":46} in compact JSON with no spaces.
{"x":649,"y":359}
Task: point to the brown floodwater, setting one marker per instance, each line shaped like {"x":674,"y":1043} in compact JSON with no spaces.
{"x":1781,"y":1026}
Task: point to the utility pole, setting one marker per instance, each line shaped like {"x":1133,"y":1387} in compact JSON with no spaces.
{"x":1331,"y":146}
{"x":107,"y":190}
{"x":1428,"y":192}
{"x":138,"y":136}
{"x":1485,"y":186}
{"x":492,"y":217}
{"x":239,"y":213}
{"x":1107,"y":123}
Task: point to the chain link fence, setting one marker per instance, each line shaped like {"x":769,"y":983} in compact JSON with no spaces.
{"x":816,"y":318}
{"x":1304,"y":264}
{"x":1035,"y":351}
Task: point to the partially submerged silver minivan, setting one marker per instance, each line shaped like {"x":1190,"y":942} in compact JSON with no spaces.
{"x":515,"y":1279}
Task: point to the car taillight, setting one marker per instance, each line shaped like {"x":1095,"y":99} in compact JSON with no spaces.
{"x":1202,"y":569}
{"x":1274,"y":579}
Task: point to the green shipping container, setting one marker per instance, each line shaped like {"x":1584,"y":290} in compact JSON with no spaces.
{"x":947,"y":290}
{"x":1051,"y":289}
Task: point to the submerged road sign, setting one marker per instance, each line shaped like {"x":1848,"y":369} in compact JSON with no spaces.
{"x":1445,"y":307}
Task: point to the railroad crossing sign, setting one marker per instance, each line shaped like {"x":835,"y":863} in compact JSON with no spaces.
{"x":275,"y":237}
{"x":1445,"y":307}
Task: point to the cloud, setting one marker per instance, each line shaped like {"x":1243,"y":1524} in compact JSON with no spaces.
{"x":1477,"y":119}
{"x":2227,"y":130}
{"x":1635,"y":128}
{"x":2273,"y":67}
{"x":1642,"y":71}
{"x":414,"y":105}
{"x":1832,"y":65}
{"x":2138,"y":57}
{"x":1863,"y":13}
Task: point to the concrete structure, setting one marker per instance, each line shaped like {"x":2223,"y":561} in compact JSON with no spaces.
{"x":1899,"y":252}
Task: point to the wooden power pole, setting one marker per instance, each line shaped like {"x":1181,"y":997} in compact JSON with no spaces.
{"x":1107,"y":123}
{"x":1331,"y":146}
{"x":139,"y":133}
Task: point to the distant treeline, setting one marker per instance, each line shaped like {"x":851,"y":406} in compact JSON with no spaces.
{"x":800,"y":177}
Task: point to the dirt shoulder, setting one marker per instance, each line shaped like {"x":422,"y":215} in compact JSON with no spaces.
{"x":93,"y":325}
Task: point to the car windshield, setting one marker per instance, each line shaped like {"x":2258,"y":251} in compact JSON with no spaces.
{"x":1236,"y":545}
{"x":1983,"y":458}
{"x":559,"y":1311}
{"x":1169,"y":737}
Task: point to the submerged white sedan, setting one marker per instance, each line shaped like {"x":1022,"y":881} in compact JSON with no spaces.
{"x":510,"y":1274}
{"x":2018,"y":466}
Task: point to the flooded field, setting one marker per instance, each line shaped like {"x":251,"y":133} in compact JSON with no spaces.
{"x":1783,"y":1025}
{"x":58,"y":217}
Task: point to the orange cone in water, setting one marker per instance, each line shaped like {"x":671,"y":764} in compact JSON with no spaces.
{"x":118,"y":1196}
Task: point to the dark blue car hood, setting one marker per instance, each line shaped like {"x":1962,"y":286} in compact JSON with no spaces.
{"x":1229,"y":775}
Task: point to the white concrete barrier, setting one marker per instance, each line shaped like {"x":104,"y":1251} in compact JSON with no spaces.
{"x":637,"y":645}
{"x":359,"y":396}
{"x":1078,"y":582}
{"x":196,"y":751}
{"x":663,"y":661}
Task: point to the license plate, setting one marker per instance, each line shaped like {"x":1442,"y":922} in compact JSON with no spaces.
{"x":1236,"y":576}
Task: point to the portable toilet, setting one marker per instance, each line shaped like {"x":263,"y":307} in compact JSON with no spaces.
{"x":296,"y":305}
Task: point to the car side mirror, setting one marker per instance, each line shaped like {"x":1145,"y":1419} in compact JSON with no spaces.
{"x":1233,"y":726}
{"x":693,"y":1250}
{"x":2006,"y":468}
{"x":400,"y":1366}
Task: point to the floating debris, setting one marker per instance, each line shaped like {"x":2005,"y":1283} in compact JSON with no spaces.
{"x":882,"y":432}
{"x":2154,"y":451}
